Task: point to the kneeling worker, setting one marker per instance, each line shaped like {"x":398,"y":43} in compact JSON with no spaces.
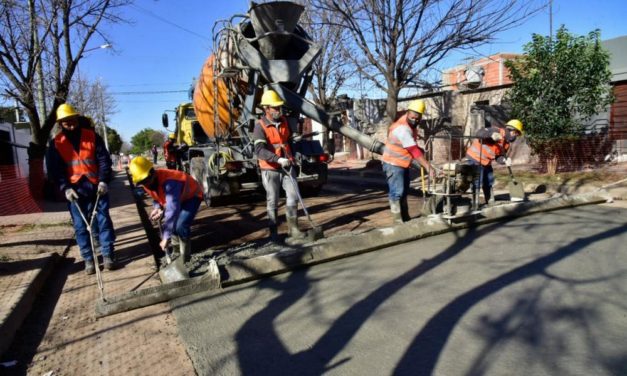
{"x":400,"y":150}
{"x":177,"y":199}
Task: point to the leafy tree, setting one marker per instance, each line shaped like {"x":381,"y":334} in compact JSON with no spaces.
{"x":401,"y":41}
{"x":558,"y":86}
{"x":115,"y":141}
{"x":142,"y":141}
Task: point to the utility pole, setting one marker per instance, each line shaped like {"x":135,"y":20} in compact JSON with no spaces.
{"x":551,"y":20}
{"x":103,"y":118}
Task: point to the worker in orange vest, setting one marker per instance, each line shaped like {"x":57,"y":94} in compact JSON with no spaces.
{"x":169,"y":152}
{"x":400,"y":150}
{"x":79,"y":163}
{"x":491,"y":144}
{"x":177,"y":197}
{"x":273,"y":149}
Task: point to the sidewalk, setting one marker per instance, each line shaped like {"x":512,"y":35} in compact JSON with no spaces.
{"x":72,"y":341}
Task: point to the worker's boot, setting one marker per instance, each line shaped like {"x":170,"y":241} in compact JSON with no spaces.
{"x":404,"y":210}
{"x":185,"y":246}
{"x":273,"y":226}
{"x":293,"y":232}
{"x":110,"y":262}
{"x":395,"y":208}
{"x":490,"y":197}
{"x":90,"y":268}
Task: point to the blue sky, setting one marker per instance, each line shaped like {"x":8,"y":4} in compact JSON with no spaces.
{"x":168,"y":41}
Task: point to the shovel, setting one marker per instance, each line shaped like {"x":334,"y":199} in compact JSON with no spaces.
{"x":91,"y":241}
{"x":315,"y":232}
{"x":516,"y":190}
{"x":174,"y":270}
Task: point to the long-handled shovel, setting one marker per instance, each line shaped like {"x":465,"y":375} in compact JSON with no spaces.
{"x":91,"y":241}
{"x":315,"y":232}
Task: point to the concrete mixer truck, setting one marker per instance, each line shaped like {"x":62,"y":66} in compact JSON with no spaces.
{"x":265,"y":49}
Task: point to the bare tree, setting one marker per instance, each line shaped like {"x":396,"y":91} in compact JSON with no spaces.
{"x":41,"y":44}
{"x":401,"y":40}
{"x":93,"y":99}
{"x":330,"y":71}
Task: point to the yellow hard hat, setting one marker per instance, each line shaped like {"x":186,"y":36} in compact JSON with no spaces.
{"x":516,"y":124}
{"x":271,"y":98}
{"x":65,"y":111}
{"x":172,"y":136}
{"x":417,"y":105}
{"x":140,"y":169}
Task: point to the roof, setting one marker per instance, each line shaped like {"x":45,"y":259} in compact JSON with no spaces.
{"x":617,"y":47}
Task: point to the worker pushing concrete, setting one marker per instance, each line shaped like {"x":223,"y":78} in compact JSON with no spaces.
{"x":79,"y":163}
{"x":177,"y":197}
{"x":491,"y":144}
{"x":400,"y":150}
{"x":273,"y":147}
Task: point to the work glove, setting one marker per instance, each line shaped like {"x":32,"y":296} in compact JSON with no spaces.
{"x":508,"y":162}
{"x":156,"y":214}
{"x":71,"y":195}
{"x":284,"y":162}
{"x":496,"y":136}
{"x":103,"y":188}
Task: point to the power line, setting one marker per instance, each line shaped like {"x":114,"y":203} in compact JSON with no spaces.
{"x":148,"y":92}
{"x":152,"y":14}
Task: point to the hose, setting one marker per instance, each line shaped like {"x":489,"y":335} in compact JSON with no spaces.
{"x":225,"y":156}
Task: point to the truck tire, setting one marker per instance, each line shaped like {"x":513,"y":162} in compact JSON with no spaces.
{"x":198,"y":170}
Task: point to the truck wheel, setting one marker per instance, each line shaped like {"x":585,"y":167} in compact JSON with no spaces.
{"x":198,"y":170}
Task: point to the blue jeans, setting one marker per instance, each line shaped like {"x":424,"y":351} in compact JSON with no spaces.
{"x":485,"y":179}
{"x":398,"y":181}
{"x":188,"y":211}
{"x":104,"y":232}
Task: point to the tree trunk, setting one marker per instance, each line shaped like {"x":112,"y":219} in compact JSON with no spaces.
{"x":36,"y":177}
{"x":391,"y":106}
{"x":551,"y":164}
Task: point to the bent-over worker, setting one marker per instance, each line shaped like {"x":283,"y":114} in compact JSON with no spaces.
{"x":177,"y":197}
{"x":491,"y":144}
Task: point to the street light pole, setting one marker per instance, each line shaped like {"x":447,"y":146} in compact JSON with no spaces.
{"x":101,"y":98}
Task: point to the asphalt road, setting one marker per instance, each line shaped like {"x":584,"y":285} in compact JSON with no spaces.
{"x":538,"y":295}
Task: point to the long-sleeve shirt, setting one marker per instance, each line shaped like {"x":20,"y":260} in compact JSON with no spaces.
{"x":172,"y":189}
{"x":263,"y":150}
{"x":57,"y":168}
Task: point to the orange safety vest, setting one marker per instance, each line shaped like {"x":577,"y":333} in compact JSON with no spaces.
{"x":84,"y":162}
{"x":191,"y":188}
{"x":169,"y":157}
{"x":488,"y":151}
{"x":278,"y":138}
{"x":394,"y":153}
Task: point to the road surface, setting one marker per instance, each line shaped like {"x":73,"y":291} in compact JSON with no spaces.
{"x":538,"y":295}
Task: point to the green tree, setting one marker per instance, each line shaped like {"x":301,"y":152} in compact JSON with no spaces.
{"x":143,"y":140}
{"x":115,"y":141}
{"x":558,"y":86}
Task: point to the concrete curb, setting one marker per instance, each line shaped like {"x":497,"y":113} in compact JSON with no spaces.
{"x":330,"y":249}
{"x":24,"y":303}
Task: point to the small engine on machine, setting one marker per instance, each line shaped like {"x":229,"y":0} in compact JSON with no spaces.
{"x":449,"y":195}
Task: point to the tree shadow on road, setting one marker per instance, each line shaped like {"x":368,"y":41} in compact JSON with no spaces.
{"x":260,"y":350}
